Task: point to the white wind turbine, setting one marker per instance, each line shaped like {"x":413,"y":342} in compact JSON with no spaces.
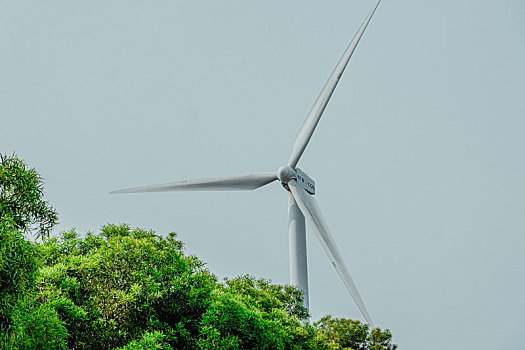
{"x":300,"y":187}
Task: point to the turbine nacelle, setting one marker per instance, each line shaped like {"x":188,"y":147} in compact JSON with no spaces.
{"x":286,"y":173}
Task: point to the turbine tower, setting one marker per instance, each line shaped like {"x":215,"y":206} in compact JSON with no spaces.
{"x":299,"y":185}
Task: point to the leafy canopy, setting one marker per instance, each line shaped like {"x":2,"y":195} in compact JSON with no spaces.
{"x":21,"y":208}
{"x":21,"y":197}
{"x":341,"y":333}
{"x":18,"y":266}
{"x":129,"y":288}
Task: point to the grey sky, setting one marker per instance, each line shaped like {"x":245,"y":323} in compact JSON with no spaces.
{"x":418,"y":159}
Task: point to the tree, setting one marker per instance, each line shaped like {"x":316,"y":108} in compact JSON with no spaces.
{"x":114,"y":287}
{"x":132,"y":288}
{"x":249,"y":313}
{"x":127,"y":288}
{"x":22,"y":208}
{"x":340,"y":333}
{"x":18,"y":266}
{"x":21,"y":197}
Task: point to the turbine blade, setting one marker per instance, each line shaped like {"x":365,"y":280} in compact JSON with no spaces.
{"x":308,"y":127}
{"x":249,"y":181}
{"x":317,"y":222}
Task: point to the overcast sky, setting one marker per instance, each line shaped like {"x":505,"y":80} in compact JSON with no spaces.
{"x":418,"y":159}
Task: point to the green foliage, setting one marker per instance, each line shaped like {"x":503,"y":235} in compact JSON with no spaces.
{"x":129,"y":288}
{"x":111,"y":288}
{"x":149,"y":341}
{"x":21,"y":192}
{"x":270,"y":296}
{"x":246,"y":313}
{"x":132,"y":289}
{"x":340,"y":333}
{"x":39,"y":327}
{"x":18,"y":265}
{"x":23,"y":325}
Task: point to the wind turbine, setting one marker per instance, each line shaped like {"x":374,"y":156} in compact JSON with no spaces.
{"x":300,"y":189}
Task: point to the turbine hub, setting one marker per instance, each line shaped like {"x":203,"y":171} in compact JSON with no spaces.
{"x":286,"y":173}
